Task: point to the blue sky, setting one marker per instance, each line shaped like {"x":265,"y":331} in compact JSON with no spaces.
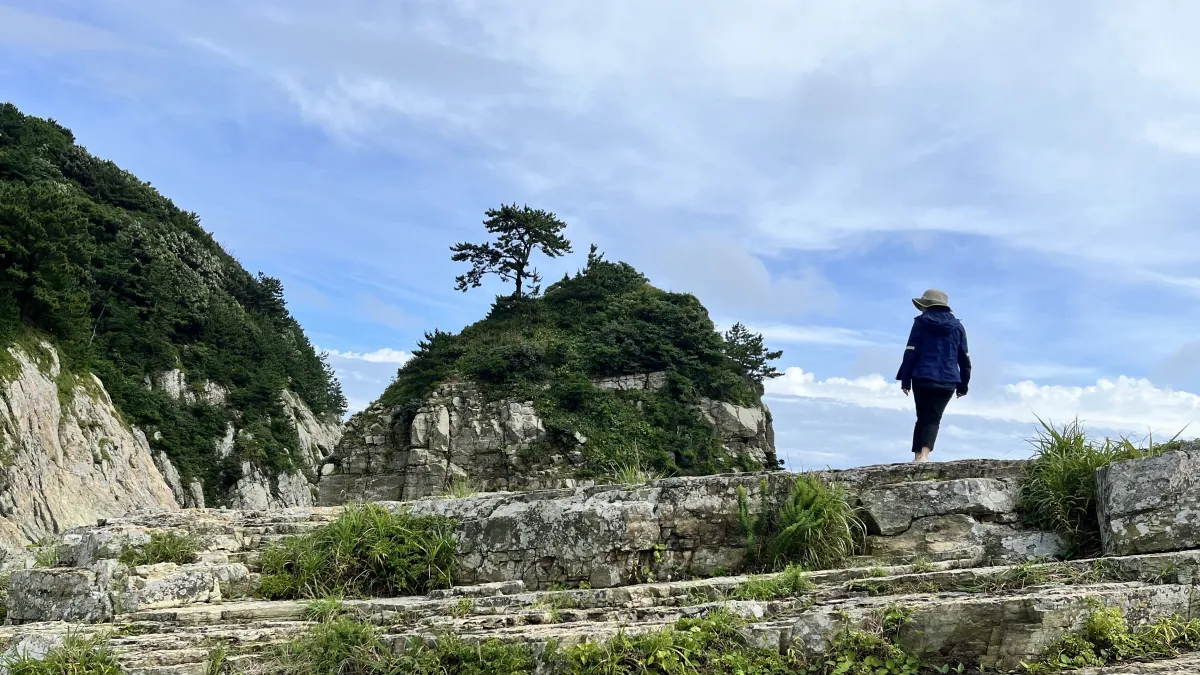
{"x":802,"y":167}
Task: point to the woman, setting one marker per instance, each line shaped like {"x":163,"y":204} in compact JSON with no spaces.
{"x":935,"y":367}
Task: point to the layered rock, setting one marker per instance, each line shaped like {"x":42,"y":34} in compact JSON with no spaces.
{"x":1152,"y":504}
{"x":459,"y":436}
{"x":67,"y":458}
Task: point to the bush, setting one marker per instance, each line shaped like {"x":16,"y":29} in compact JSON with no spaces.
{"x":1059,"y":490}
{"x":163,"y":547}
{"x":817,"y":526}
{"x":1107,"y":638}
{"x":75,"y":656}
{"x":367,"y":552}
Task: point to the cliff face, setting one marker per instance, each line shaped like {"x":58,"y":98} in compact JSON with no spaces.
{"x":459,"y":437}
{"x":202,"y":356}
{"x":68,"y":459}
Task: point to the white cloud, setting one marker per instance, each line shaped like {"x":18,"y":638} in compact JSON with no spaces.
{"x":364,"y":375}
{"x":1126,"y":404}
{"x":384,"y":355}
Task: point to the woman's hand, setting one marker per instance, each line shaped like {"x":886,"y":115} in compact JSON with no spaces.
{"x":904,"y":390}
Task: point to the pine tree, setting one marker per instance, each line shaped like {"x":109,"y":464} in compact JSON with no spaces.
{"x":520,"y":232}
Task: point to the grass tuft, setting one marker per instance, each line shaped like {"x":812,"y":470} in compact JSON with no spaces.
{"x":163,"y":547}
{"x":367,"y":552}
{"x":817,"y":526}
{"x":75,"y":656}
{"x":791,"y":581}
{"x":1059,"y":491}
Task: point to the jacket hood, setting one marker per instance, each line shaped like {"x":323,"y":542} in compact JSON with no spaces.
{"x":939,"y":321}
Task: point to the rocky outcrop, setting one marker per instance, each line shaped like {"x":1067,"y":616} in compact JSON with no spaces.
{"x":459,"y":436}
{"x":1152,"y":504}
{"x":255,"y":488}
{"x":67,"y":457}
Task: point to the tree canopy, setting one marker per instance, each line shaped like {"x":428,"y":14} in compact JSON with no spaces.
{"x":127,"y":285}
{"x":519,"y":233}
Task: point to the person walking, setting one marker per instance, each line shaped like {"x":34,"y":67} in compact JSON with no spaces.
{"x":936,"y":366}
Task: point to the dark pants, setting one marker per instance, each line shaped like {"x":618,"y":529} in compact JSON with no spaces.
{"x":931,"y":403}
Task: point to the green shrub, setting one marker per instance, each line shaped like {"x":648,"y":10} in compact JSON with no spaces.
{"x":817,"y":526}
{"x":367,"y":552}
{"x":1107,"y":638}
{"x":75,"y":656}
{"x":163,"y":547}
{"x":1059,"y":490}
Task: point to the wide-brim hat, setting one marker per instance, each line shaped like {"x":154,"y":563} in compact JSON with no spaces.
{"x":932,"y":298}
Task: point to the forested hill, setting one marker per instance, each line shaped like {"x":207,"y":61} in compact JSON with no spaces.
{"x":128,"y":286}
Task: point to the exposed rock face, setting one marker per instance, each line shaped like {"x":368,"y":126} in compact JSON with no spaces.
{"x":255,"y":489}
{"x":1150,"y":505}
{"x":678,"y":527}
{"x":458,"y":435}
{"x":67,"y":460}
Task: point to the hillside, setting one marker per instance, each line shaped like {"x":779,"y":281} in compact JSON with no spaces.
{"x":196,"y":352}
{"x":554,"y":363}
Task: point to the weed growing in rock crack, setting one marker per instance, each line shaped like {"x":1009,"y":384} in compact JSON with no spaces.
{"x":75,"y":656}
{"x":465,"y":607}
{"x":817,"y":526}
{"x":461,"y":488}
{"x":791,"y":581}
{"x":47,"y":554}
{"x":368,"y":551}
{"x":1059,"y":490}
{"x":324,"y":609}
{"x":1107,"y":638}
{"x":163,"y":547}
{"x":922,"y":564}
{"x":218,"y":661}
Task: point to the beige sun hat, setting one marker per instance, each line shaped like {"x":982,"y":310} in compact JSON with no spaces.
{"x":932,"y":298}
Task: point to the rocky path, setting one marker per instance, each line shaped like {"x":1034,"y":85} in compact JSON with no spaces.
{"x":946,"y":550}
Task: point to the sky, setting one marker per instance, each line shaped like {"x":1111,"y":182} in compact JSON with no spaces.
{"x":802,"y":167}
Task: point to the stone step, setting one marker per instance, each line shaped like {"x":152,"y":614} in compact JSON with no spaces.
{"x":996,"y":624}
{"x":1188,"y":664}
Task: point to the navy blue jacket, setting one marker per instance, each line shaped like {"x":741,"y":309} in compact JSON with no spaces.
{"x":936,"y":352}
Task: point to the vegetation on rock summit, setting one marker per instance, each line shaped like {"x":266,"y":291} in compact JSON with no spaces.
{"x":128,"y":286}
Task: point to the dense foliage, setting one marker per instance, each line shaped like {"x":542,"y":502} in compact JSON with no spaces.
{"x":606,"y":320}
{"x":368,"y":551}
{"x":128,"y":286}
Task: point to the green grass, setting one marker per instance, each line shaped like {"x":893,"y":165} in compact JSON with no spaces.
{"x":817,"y":526}
{"x":47,"y":554}
{"x":791,"y":581}
{"x":75,"y":656}
{"x":633,"y":471}
{"x":367,"y":552}
{"x":712,"y":645}
{"x":1107,"y":638}
{"x":1059,"y":490}
{"x":462,"y":488}
{"x":163,"y":547}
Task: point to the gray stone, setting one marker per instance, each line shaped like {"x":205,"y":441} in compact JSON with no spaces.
{"x":891,"y":509}
{"x":1150,"y":505}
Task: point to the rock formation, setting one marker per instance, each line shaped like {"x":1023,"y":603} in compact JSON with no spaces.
{"x":943,"y":540}
{"x":458,"y":435}
{"x":67,"y":458}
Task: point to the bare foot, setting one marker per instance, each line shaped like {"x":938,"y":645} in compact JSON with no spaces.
{"x":923,"y":456}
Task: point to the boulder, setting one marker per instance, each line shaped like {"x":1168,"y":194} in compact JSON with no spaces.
{"x":1150,"y":505}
